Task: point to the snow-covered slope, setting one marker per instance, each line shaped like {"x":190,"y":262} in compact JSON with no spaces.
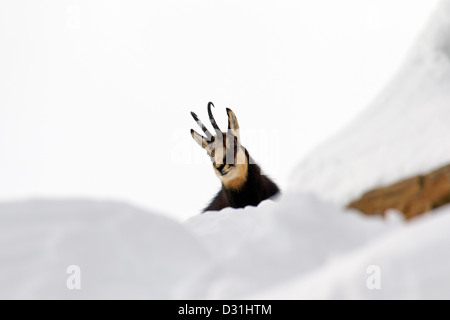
{"x":123,"y":252}
{"x":255,"y":248}
{"x":403,"y":133}
{"x":297,"y":247}
{"x":413,"y":264}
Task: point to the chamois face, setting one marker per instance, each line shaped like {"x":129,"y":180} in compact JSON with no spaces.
{"x":227,"y":155}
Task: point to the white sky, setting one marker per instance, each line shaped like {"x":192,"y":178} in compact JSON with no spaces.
{"x":95,"y":95}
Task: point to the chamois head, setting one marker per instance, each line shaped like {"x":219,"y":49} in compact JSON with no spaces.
{"x":225,"y":150}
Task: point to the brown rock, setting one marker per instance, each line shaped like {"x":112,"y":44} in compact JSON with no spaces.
{"x":412,"y":197}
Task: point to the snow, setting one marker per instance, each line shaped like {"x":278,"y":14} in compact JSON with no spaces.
{"x":413,"y":261}
{"x":400,"y":135}
{"x":123,"y":252}
{"x":305,"y":244}
{"x":297,"y":247}
{"x":254,"y":248}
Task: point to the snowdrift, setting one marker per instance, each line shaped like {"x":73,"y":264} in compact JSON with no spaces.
{"x":122,"y":252}
{"x":298,"y":247}
{"x":412,"y":261}
{"x":255,"y":248}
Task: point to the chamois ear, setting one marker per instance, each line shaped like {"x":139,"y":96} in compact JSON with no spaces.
{"x":233,"y":125}
{"x":202,"y":142}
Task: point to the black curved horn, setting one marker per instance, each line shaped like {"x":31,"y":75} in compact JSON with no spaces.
{"x":202,"y":126}
{"x":211,"y":117}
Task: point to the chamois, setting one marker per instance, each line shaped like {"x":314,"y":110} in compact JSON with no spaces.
{"x":242,"y":181}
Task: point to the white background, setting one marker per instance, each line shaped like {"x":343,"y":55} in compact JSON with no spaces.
{"x":95,"y":95}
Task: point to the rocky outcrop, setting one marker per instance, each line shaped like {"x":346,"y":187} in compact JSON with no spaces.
{"x":412,"y":196}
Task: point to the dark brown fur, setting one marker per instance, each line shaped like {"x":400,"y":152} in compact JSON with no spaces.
{"x":256,"y":188}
